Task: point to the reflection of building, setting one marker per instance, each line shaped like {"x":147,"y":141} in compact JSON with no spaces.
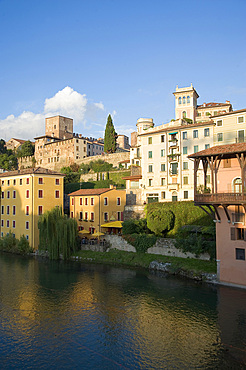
{"x":94,"y":207}
{"x":227,"y":200}
{"x":162,"y":151}
{"x":26,"y":194}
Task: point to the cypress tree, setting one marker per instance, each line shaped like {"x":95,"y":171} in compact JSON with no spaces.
{"x":110,"y":136}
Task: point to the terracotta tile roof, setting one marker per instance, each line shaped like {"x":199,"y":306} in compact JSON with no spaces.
{"x":89,"y":192}
{"x":183,"y":127}
{"x":211,"y":105}
{"x":233,"y":112}
{"x":137,"y":177}
{"x":220,"y":149}
{"x":27,"y":171}
{"x":19,"y":140}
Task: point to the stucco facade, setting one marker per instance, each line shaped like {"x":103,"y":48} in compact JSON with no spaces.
{"x":26,"y":194}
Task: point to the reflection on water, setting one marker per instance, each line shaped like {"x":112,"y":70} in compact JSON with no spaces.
{"x":70,"y":315}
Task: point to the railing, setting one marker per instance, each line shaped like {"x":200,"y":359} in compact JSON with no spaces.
{"x":220,"y":198}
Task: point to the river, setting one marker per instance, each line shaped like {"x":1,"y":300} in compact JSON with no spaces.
{"x":76,"y":316}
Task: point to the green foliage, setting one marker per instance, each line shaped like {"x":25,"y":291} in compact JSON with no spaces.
{"x":26,"y":149}
{"x":100,"y":166}
{"x":71,"y":177}
{"x":102,"y":184}
{"x":141,"y":241}
{"x":160,"y":221}
{"x":188,"y":120}
{"x":74,"y":167}
{"x":197,"y":240}
{"x":57,"y":234}
{"x":84,"y":168}
{"x":3,"y":148}
{"x":10,"y":244}
{"x":110,"y":137}
{"x":185,"y":213}
{"x":8,"y":161}
{"x":132,"y":226}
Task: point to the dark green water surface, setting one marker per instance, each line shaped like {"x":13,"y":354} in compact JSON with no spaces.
{"x":56,"y":315}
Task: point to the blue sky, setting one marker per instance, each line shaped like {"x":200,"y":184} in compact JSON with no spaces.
{"x":86,"y":59}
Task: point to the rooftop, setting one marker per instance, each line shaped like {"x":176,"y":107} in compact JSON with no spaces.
{"x":82,"y":192}
{"x":225,"y":150}
{"x":29,"y":171}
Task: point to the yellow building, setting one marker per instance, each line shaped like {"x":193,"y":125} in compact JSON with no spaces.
{"x":26,"y":194}
{"x":94,"y":207}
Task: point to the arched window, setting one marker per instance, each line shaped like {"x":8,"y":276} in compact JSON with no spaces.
{"x":180,"y":100}
{"x":184,"y":100}
{"x":184,"y":114}
{"x":188,"y":99}
{"x":237,"y":185}
{"x":174,"y":196}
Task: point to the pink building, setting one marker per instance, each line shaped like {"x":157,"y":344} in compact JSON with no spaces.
{"x":225,"y":201}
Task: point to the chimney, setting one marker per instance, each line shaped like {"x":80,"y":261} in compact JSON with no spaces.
{"x":228,"y":102}
{"x":111,"y":186}
{"x":204,"y":104}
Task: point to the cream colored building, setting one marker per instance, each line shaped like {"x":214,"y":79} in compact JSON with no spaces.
{"x":162,"y":151}
{"x":26,"y":194}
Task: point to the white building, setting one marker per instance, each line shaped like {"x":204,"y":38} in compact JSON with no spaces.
{"x":161,"y":152}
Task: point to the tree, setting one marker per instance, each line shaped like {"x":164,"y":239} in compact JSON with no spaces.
{"x":110,"y":136}
{"x":27,"y":149}
{"x":3,"y":148}
{"x":8,"y":161}
{"x":160,"y":221}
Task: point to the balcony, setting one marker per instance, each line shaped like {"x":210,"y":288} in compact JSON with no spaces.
{"x":173,"y":142}
{"x":220,"y":198}
{"x":173,"y":157}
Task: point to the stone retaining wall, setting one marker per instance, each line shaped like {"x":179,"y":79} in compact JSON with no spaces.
{"x":117,"y":242}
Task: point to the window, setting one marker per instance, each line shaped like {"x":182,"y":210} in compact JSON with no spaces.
{"x":207,"y":146}
{"x":8,"y":194}
{"x":92,"y":201}
{"x":81,"y":215}
{"x":199,"y":114}
{"x":14,"y":182}
{"x":195,"y":148}
{"x":150,"y":154}
{"x":162,"y":138}
{"x":57,"y":194}
{"x":8,"y":182}
{"x":185,"y":135}
{"x":240,"y":254}
{"x":2,"y":223}
{"x":186,"y":194}
{"x":184,"y":100}
{"x":240,"y":119}
{"x":27,"y":210}
{"x":195,"y":134}
{"x":27,"y":225}
{"x":163,"y":195}
{"x":72,"y":201}
{"x":240,"y":136}
{"x":92,"y":216}
{"x":238,"y":233}
{"x":119,"y":216}
{"x":162,"y":152}
{"x":185,"y":165}
{"x":219,"y":122}
{"x":150,"y":182}
{"x":7,"y":223}
{"x":180,"y":100}
{"x":185,"y":180}
{"x":118,"y":201}
{"x":220,"y":136}
{"x":27,"y":181}
{"x":13,"y":224}
{"x":14,"y":209}
{"x":40,"y":210}
{"x":105,"y":201}
{"x":150,"y":168}
{"x":174,"y":168}
{"x":208,"y":114}
{"x":163,"y":167}
{"x":206,"y":132}
{"x":20,"y":181}
{"x":86,"y":201}
{"x":163,"y":181}
{"x":7,"y":210}
{"x":80,"y":201}
{"x":2,"y":194}
{"x":14,"y":194}
{"x":150,"y":140}
{"x":27,"y":194}
{"x":184,"y":114}
{"x":185,"y":151}
{"x":86,"y":215}
{"x":188,"y":99}
{"x":2,"y":182}
{"x":57,"y":181}
{"x":27,"y":237}
{"x":40,"y":180}
{"x":105,"y":216}
{"x":40,"y":193}
{"x":2,"y":210}
{"x":72,"y":214}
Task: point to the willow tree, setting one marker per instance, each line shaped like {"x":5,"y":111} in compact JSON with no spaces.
{"x":57,"y":234}
{"x":110,"y":136}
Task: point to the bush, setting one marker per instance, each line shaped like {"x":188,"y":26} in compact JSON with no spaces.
{"x":135,"y":227}
{"x":185,"y":213}
{"x":160,"y":221}
{"x":10,"y":244}
{"x":141,"y":241}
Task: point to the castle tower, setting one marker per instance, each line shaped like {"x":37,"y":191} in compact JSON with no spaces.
{"x":185,"y":102}
{"x":59,"y":127}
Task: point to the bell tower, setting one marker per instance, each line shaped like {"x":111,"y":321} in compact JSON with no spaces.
{"x":185,"y":102}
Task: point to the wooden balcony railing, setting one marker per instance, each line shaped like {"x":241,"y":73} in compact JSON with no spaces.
{"x":226,"y":198}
